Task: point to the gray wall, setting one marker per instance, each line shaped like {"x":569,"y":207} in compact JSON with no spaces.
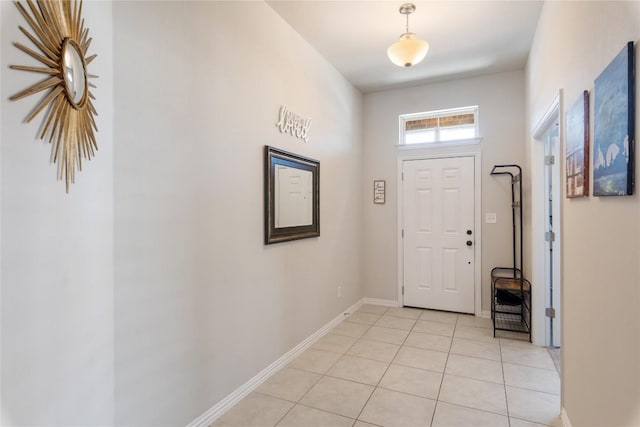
{"x":500,"y":98}
{"x":57,"y":251}
{"x":574,"y":42}
{"x":146,"y":295}
{"x":201,"y":304}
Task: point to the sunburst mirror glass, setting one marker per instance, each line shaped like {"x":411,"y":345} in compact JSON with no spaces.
{"x":62,"y":42}
{"x":74,"y":75}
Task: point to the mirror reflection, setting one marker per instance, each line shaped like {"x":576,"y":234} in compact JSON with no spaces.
{"x":293,"y":196}
{"x":73,"y":71}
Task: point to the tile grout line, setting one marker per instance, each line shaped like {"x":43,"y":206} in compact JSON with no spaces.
{"x":532,"y":389}
{"x":482,"y":381}
{"x":314,"y":384}
{"x":455,"y":326}
{"x":321,"y":410}
{"x":490,"y":382}
{"x":484,"y":411}
{"x":504,"y":379}
{"x":413,"y":394}
{"x":367,"y":328}
{"x":323,"y":375}
{"x":286,"y":413}
{"x":375,"y":387}
{"x":532,"y":367}
{"x":303,"y":394}
{"x":362,"y":337}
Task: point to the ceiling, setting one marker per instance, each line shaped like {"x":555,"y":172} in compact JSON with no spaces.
{"x":466,"y":38}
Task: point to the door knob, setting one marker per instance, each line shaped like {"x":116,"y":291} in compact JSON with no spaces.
{"x":469,"y":243}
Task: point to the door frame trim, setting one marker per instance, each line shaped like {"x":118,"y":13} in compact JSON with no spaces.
{"x":539,"y":324}
{"x":442,"y":153}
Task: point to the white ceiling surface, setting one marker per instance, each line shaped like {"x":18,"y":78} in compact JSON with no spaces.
{"x":466,"y":38}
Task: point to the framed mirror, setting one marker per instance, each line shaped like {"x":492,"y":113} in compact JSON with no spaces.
{"x":291,"y":196}
{"x":62,"y":41}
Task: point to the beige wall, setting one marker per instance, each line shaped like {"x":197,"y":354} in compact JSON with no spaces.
{"x":201,"y":304}
{"x":172,"y":205}
{"x":601,"y":236}
{"x":500,"y":98}
{"x":57,"y":251}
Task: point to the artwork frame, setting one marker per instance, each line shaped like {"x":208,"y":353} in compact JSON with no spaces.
{"x":379,"y":190}
{"x":577,"y":148}
{"x":275,"y":230}
{"x":614,"y":126}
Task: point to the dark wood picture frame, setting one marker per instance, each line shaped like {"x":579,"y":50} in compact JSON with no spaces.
{"x":273,"y":234}
{"x":577,"y":148}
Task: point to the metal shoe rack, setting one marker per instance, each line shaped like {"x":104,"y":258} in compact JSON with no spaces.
{"x":510,"y":290}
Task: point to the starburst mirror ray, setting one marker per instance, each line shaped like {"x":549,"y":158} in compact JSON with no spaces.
{"x":62,"y":42}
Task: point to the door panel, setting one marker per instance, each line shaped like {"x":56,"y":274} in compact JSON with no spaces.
{"x":450,"y":263}
{"x":425,"y":201}
{"x":438,"y":210}
{"x":450,"y":210}
{"x":425,"y":277}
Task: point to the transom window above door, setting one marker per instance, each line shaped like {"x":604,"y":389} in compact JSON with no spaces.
{"x":442,"y":127}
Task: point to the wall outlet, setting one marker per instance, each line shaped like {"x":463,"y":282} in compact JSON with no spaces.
{"x":491,"y":218}
{"x":339,"y":291}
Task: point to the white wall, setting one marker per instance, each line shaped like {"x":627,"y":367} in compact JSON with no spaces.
{"x":57,"y":252}
{"x":201,"y":304}
{"x":601,"y":323}
{"x":500,"y":98}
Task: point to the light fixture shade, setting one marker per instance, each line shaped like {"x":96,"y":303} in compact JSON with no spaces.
{"x":408,"y":50}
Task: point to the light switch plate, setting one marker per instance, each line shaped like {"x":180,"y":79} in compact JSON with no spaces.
{"x":491,"y":218}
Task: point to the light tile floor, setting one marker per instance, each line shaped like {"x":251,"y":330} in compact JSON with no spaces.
{"x":407,"y":367}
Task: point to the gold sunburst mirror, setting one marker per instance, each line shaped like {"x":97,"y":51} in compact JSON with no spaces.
{"x":58,"y":32}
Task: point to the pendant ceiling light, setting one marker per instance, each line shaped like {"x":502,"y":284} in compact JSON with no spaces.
{"x":409,"y":50}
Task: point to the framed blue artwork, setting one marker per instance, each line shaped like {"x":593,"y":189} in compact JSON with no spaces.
{"x":577,"y":147}
{"x":614,"y":127}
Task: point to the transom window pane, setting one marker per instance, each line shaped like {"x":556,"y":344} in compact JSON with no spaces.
{"x":439,"y":126}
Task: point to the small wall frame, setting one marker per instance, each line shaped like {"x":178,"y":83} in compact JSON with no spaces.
{"x":379,"y":190}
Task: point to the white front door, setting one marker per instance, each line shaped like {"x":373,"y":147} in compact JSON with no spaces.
{"x":438,"y":227}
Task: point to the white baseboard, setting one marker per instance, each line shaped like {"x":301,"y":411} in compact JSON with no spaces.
{"x":565,"y":418}
{"x":379,"y":301}
{"x":228,"y":402}
{"x":486,"y":314}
